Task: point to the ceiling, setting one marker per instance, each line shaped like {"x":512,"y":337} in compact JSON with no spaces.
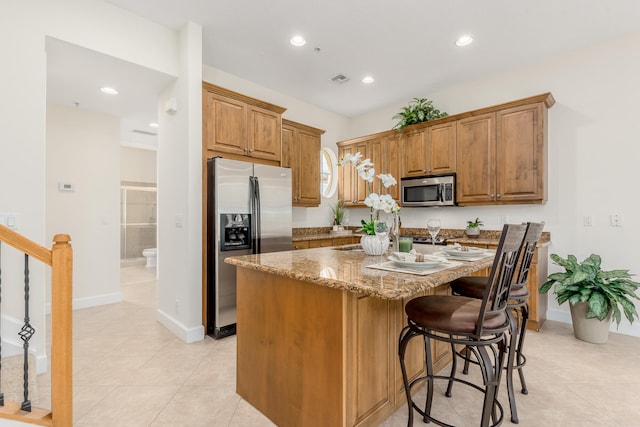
{"x":408,"y":46}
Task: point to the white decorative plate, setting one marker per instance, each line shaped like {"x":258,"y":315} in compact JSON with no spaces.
{"x":457,"y":251}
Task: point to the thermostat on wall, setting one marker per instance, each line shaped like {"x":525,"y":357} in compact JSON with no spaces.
{"x":66,"y":186}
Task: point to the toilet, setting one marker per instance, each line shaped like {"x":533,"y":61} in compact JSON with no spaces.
{"x":150,"y":254}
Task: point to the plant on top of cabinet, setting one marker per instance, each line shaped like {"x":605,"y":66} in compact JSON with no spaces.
{"x":419,"y":110}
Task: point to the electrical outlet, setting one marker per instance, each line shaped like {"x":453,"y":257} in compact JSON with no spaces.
{"x":587,"y":220}
{"x":177,"y":306}
{"x":504,"y":219}
{"x":615,"y":220}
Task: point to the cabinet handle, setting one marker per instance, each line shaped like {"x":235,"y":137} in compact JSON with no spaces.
{"x":498,"y":195}
{"x":492,"y":196}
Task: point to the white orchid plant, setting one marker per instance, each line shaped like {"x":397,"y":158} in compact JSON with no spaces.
{"x":376,"y":202}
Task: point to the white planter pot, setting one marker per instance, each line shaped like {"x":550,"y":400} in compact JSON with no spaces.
{"x":374,"y":245}
{"x":472,"y":231}
{"x":590,"y":330}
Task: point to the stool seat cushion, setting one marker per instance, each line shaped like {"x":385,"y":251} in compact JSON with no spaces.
{"x":452,"y":314}
{"x":470,"y":286}
{"x":473,"y":287}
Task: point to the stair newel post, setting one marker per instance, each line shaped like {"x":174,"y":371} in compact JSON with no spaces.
{"x":61,"y":331}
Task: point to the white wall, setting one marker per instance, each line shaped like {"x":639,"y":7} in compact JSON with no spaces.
{"x":83,"y":148}
{"x":180,"y":195}
{"x":336,"y":127}
{"x":593,"y":152}
{"x":138,"y":165}
{"x":107,"y":29}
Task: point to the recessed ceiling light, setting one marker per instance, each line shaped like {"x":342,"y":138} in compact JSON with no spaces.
{"x":298,"y":41}
{"x":368,"y":80}
{"x":109,"y":90}
{"x":464,"y":40}
{"x":153,"y":125}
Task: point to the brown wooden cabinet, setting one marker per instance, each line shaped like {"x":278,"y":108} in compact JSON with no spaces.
{"x":502,"y":155}
{"x":499,"y":153}
{"x":430,"y":150}
{"x":323,"y":243}
{"x":352,"y":190}
{"x":392,"y":161}
{"x":383,"y":150}
{"x":238,"y":127}
{"x":301,"y":152}
{"x":476,"y":146}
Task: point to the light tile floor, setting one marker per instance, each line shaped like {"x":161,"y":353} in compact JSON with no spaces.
{"x":130,"y":371}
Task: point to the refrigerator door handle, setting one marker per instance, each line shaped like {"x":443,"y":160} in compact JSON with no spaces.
{"x":254,"y":201}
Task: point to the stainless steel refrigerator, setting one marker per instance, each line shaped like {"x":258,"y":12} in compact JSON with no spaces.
{"x":248,"y":212}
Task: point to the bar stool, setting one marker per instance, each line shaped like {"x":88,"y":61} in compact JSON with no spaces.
{"x":517,"y":311}
{"x":478,"y":324}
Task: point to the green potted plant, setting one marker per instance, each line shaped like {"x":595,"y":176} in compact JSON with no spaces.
{"x":338,"y":210}
{"x":419,"y":110}
{"x":594,"y":295}
{"x":473,"y":228}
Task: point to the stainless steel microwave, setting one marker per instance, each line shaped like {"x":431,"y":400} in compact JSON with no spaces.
{"x":429,"y":191}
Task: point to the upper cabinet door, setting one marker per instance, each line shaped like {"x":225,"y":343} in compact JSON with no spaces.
{"x":265,"y":133}
{"x":441,"y":148}
{"x":225,"y":123}
{"x":309,"y":170}
{"x":521,"y":154}
{"x":476,"y":154}
{"x":414,"y":159}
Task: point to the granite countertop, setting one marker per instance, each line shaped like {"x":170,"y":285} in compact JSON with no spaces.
{"x":487,"y":237}
{"x":345,"y":269}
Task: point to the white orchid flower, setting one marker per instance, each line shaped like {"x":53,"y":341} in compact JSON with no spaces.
{"x":367,"y":174}
{"x":387,"y":180}
{"x":355,"y":158}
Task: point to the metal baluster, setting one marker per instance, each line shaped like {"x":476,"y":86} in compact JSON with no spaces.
{"x":25,"y":334}
{"x":1,"y":393}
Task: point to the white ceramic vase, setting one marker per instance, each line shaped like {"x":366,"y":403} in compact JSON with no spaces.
{"x":374,"y":245}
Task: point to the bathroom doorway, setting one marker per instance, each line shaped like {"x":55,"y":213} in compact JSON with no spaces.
{"x":138,"y":220}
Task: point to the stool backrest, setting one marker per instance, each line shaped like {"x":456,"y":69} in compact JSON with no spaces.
{"x":496,"y":293}
{"x":531,"y":238}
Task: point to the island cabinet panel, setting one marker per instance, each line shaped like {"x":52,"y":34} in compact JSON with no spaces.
{"x":290,"y":349}
{"x":476,"y":154}
{"x":370,"y":365}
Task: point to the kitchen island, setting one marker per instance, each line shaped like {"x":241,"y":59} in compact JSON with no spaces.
{"x":317,"y":334}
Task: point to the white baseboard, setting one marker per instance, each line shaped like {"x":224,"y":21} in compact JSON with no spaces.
{"x":188,"y":335}
{"x":625,"y":328}
{"x":94,"y":301}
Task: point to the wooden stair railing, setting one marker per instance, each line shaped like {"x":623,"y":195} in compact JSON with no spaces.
{"x":60,"y":259}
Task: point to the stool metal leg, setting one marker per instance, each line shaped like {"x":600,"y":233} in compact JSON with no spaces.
{"x":513,"y":338}
{"x":454,"y":365}
{"x":405,"y":337}
{"x":521,"y":360}
{"x":429,"y":366}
